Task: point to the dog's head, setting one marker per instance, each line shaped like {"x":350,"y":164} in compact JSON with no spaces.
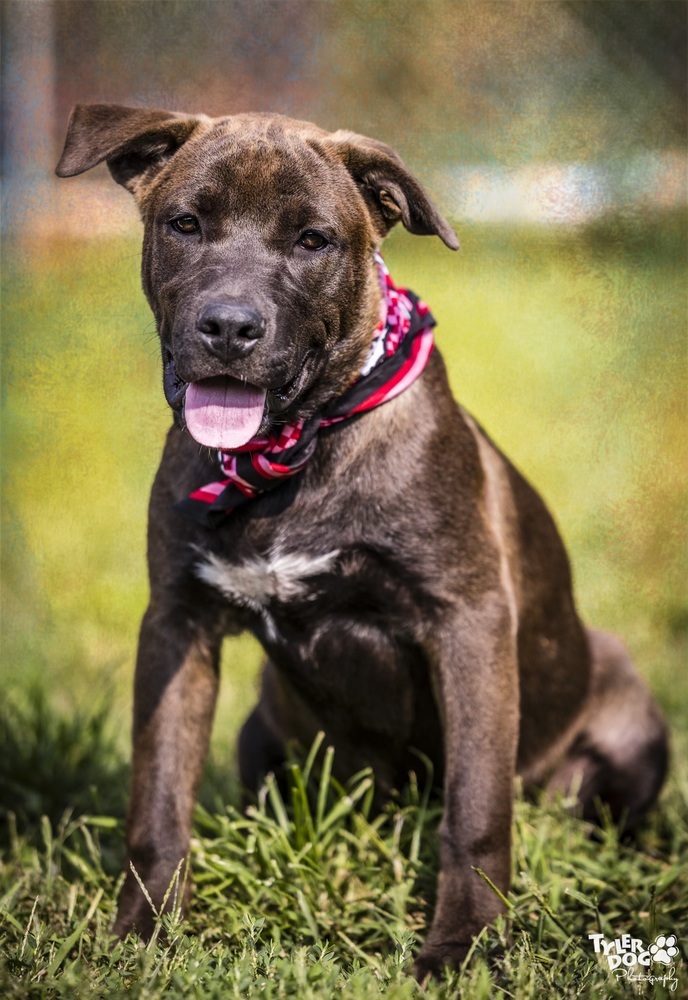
{"x":258,"y":253}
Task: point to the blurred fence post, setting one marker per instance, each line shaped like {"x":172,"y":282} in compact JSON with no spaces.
{"x":28,"y":98}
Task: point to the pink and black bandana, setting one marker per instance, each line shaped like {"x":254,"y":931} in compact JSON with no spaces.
{"x":401,"y":347}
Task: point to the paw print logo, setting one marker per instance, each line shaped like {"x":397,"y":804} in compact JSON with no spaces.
{"x":664,"y":949}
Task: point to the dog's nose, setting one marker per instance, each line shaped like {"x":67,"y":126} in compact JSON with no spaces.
{"x":230,"y":328}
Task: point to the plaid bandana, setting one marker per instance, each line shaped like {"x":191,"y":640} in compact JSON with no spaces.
{"x":400,"y":349}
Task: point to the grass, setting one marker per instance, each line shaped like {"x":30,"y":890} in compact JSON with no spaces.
{"x":570,"y":349}
{"x":317,"y":898}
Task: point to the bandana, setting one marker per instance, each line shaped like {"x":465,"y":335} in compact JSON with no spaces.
{"x":401,"y":347}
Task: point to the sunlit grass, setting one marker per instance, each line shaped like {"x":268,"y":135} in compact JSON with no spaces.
{"x":313,"y":896}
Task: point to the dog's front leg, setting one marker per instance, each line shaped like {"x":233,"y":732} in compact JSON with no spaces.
{"x":473,"y":658}
{"x":174,"y":699}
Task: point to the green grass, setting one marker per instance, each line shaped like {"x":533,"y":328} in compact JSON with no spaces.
{"x":571,"y":351}
{"x":317,"y":898}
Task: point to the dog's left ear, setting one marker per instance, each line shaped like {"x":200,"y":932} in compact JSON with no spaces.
{"x":135,"y":142}
{"x":393,"y":194}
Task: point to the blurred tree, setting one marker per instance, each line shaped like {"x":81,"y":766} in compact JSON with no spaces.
{"x":471,"y":82}
{"x":651,"y":33}
{"x":488,"y":80}
{"x":193,"y":55}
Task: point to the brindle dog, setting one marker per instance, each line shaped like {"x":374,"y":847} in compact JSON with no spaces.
{"x":409,"y":587}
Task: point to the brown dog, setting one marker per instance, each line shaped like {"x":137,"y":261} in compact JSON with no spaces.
{"x":409,"y":587}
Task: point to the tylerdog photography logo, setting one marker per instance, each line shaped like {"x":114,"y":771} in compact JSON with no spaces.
{"x":628,"y":958}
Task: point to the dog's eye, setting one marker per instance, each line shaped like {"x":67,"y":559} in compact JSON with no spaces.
{"x":185,"y":224}
{"x":311,"y":240}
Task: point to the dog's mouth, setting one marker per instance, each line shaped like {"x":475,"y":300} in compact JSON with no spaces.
{"x":226,"y":412}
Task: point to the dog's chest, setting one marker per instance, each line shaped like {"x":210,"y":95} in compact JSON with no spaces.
{"x":287,"y":597}
{"x":262,"y":583}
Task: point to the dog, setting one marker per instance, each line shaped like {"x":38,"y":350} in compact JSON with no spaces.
{"x":321,"y":488}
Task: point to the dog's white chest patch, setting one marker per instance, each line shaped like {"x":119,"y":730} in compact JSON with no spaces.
{"x":281,"y":576}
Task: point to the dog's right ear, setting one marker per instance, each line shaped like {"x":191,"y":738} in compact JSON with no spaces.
{"x":135,"y":142}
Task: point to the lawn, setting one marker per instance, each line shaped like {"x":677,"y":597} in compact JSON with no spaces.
{"x":571,"y":350}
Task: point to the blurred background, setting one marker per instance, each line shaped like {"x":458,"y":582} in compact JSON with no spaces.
{"x":552,"y":134}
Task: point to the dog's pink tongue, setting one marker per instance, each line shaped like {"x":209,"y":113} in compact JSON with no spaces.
{"x":223,"y":412}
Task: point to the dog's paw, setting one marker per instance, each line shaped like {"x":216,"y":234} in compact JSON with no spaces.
{"x":434,"y":957}
{"x":664,"y":949}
